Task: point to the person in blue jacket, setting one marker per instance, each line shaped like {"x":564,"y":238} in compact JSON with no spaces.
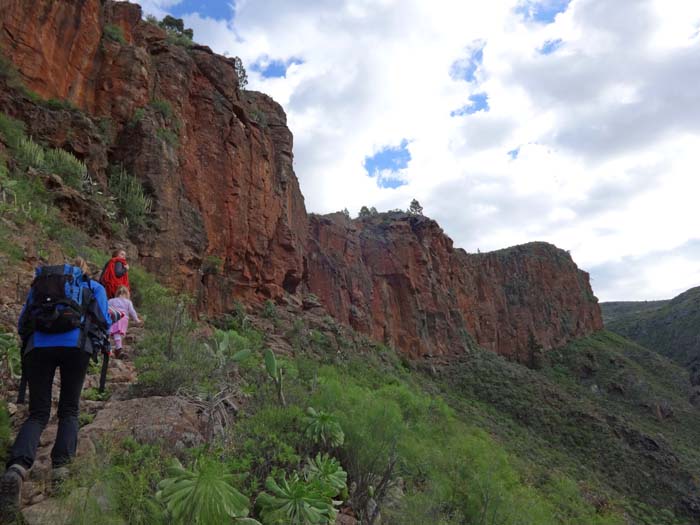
{"x":43,"y":353}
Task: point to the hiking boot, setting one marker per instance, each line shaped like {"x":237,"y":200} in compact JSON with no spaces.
{"x":11,"y":492}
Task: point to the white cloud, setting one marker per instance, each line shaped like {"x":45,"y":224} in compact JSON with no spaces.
{"x":607,"y":125}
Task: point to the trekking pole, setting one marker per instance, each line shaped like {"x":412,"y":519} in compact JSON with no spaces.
{"x":22,"y":388}
{"x":103,"y":372}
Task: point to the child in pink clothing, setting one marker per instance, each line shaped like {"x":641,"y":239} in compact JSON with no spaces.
{"x":122,"y":303}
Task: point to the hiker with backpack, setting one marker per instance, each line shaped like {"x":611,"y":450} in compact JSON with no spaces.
{"x":115,"y":273}
{"x":122,"y":304}
{"x":64,"y":321}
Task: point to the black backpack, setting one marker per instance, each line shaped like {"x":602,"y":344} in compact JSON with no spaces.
{"x":58,"y":300}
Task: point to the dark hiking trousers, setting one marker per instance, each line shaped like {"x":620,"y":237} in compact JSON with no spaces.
{"x":40,"y":366}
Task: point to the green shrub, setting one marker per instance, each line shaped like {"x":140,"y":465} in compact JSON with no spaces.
{"x":134,"y":205}
{"x":114,"y":32}
{"x":63,"y":163}
{"x":12,"y":130}
{"x":10,"y":357}
{"x":29,"y":154}
{"x":328,"y":473}
{"x":137,"y":117}
{"x":323,"y":428}
{"x":295,"y":501}
{"x":266,"y":443}
{"x":204,"y":495}
{"x":162,"y":107}
{"x":93,"y":394}
{"x":269,"y":310}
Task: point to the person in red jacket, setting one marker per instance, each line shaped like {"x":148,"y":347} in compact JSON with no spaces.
{"x":115,"y":274}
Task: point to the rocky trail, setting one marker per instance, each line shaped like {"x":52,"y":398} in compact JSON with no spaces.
{"x":39,"y":507}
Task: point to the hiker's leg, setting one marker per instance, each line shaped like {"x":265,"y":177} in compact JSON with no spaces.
{"x":117,"y":341}
{"x":73,"y":365}
{"x":40,"y":366}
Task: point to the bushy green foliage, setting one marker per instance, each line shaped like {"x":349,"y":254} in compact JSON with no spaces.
{"x":177,"y":33}
{"x":204,"y":495}
{"x":29,"y":154}
{"x":295,"y":501}
{"x":163,"y":107}
{"x":93,"y":394}
{"x":328,"y":472}
{"x":134,"y":204}
{"x":323,"y":428}
{"x":12,"y":130}
{"x":10,"y":357}
{"x":114,"y":32}
{"x":124,"y":476}
{"x":65,"y":164}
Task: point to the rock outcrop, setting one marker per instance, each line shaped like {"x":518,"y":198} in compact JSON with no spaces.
{"x":229,"y":221}
{"x":399,"y":278}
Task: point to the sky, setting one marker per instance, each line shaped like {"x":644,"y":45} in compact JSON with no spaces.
{"x":575,"y":122}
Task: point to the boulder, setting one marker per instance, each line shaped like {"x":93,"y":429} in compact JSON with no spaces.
{"x":171,"y":421}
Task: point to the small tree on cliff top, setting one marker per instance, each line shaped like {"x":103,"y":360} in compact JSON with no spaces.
{"x":415,"y":208}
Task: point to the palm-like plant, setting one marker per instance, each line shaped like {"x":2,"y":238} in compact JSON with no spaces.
{"x":203,"y":496}
{"x":328,"y":472}
{"x":296,"y":502}
{"x":322,"y":427}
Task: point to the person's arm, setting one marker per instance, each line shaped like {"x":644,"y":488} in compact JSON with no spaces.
{"x":132,"y":313}
{"x":100,"y":306}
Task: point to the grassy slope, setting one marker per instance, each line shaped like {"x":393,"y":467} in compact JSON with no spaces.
{"x":672,"y":328}
{"x":595,"y":410}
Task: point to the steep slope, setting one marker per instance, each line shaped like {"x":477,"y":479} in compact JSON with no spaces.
{"x":228,"y":221}
{"x":671,"y":328}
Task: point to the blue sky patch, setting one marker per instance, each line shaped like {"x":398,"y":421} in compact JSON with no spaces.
{"x":218,"y":9}
{"x":513,"y":154}
{"x":478,"y":102}
{"x":550,"y":46}
{"x":389,"y":158}
{"x":275,"y":68}
{"x":465,"y":68}
{"x":542,"y":11}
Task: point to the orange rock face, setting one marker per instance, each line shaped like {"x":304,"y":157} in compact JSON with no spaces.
{"x":217,"y":162}
{"x":398,"y":278}
{"x":229,"y":220}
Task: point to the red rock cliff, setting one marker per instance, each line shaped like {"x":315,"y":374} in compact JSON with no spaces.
{"x":217,"y":161}
{"x":398,"y":278}
{"x":229,"y":221}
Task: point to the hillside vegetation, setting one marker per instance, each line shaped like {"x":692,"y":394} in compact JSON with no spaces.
{"x":671,"y":328}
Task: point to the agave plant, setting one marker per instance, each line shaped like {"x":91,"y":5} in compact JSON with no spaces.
{"x":328,"y":472}
{"x":204,"y":496}
{"x":296,"y":501}
{"x":323,"y":427}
